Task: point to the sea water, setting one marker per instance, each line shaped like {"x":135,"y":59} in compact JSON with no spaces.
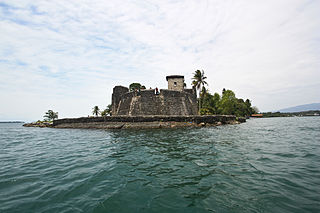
{"x":263,"y":165}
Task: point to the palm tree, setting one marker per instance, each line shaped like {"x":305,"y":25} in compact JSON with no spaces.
{"x":199,"y":82}
{"x":95,"y":110}
{"x":51,"y":115}
{"x":107,"y":111}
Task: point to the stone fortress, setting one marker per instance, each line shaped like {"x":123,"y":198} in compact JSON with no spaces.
{"x":170,"y":108}
{"x":176,"y":100}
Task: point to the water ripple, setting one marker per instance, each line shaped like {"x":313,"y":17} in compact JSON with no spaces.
{"x":264,"y":165}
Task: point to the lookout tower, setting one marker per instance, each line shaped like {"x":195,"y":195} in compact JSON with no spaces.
{"x":175,"y":82}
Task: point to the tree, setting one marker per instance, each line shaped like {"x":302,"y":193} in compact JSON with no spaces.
{"x":95,"y":110}
{"x":107,"y":111}
{"x":241,"y":109}
{"x":209,"y":103}
{"x":136,"y":86}
{"x":206,"y":102}
{"x":223,"y":91}
{"x":199,"y":82}
{"x":255,"y":110}
{"x":216,"y":102}
{"x":249,"y":110}
{"x":228,"y":103}
{"x":51,"y":115}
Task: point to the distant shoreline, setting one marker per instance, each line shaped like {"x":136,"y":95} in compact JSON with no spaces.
{"x":291,"y":114}
{"x":5,"y":122}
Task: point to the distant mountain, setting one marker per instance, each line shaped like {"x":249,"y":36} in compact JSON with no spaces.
{"x":301,"y":108}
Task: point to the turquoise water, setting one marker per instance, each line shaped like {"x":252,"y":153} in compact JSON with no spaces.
{"x":263,"y":165}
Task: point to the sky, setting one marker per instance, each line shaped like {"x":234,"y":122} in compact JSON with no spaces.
{"x":67,"y":55}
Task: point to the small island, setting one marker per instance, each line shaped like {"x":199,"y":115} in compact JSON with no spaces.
{"x":176,"y":106}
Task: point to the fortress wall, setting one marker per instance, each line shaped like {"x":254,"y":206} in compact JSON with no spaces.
{"x":124,"y":104}
{"x":117,"y":93}
{"x":191,"y":91}
{"x":146,"y":103}
{"x":168,"y":102}
{"x":158,"y":121}
{"x":179,"y":103}
{"x":197,"y":119}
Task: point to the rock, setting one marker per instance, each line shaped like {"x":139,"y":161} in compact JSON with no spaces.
{"x":202,"y":124}
{"x":38,"y":124}
{"x":241,"y":119}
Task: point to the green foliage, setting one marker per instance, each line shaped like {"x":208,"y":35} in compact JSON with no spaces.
{"x":241,"y":108}
{"x":199,"y":79}
{"x":136,"y":86}
{"x":95,"y":110}
{"x":226,"y":104}
{"x":51,"y":115}
{"x":199,"y":82}
{"x":206,"y":111}
{"x":216,"y":102}
{"x":255,"y":110}
{"x":209,"y":103}
{"x":107,"y":111}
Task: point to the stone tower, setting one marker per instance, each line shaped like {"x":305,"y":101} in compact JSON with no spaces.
{"x":175,"y":82}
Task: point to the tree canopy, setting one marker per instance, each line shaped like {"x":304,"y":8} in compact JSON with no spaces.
{"x":199,"y":82}
{"x":51,"y":115}
{"x":95,"y":110}
{"x":199,"y":79}
{"x":136,"y":86}
{"x":225,"y":104}
{"x":107,"y":111}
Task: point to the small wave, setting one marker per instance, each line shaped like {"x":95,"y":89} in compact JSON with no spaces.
{"x":200,"y":163}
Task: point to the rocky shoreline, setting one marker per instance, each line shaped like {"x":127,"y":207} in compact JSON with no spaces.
{"x":38,"y":124}
{"x":140,"y":122}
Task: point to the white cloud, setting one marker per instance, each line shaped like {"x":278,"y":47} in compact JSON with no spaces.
{"x":68,"y":55}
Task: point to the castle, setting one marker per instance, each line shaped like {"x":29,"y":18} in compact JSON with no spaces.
{"x":176,"y":100}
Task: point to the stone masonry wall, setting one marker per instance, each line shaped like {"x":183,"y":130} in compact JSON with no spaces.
{"x":154,"y":121}
{"x":146,"y":102}
{"x":117,"y":93}
{"x":178,"y":86}
{"x":210,"y":119}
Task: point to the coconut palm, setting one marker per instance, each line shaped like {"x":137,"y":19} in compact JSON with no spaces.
{"x":51,"y":115}
{"x":199,"y":82}
{"x":95,"y":110}
{"x":107,"y":111}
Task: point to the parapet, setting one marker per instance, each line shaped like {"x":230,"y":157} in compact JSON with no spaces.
{"x":191,"y":91}
{"x":174,"y":76}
